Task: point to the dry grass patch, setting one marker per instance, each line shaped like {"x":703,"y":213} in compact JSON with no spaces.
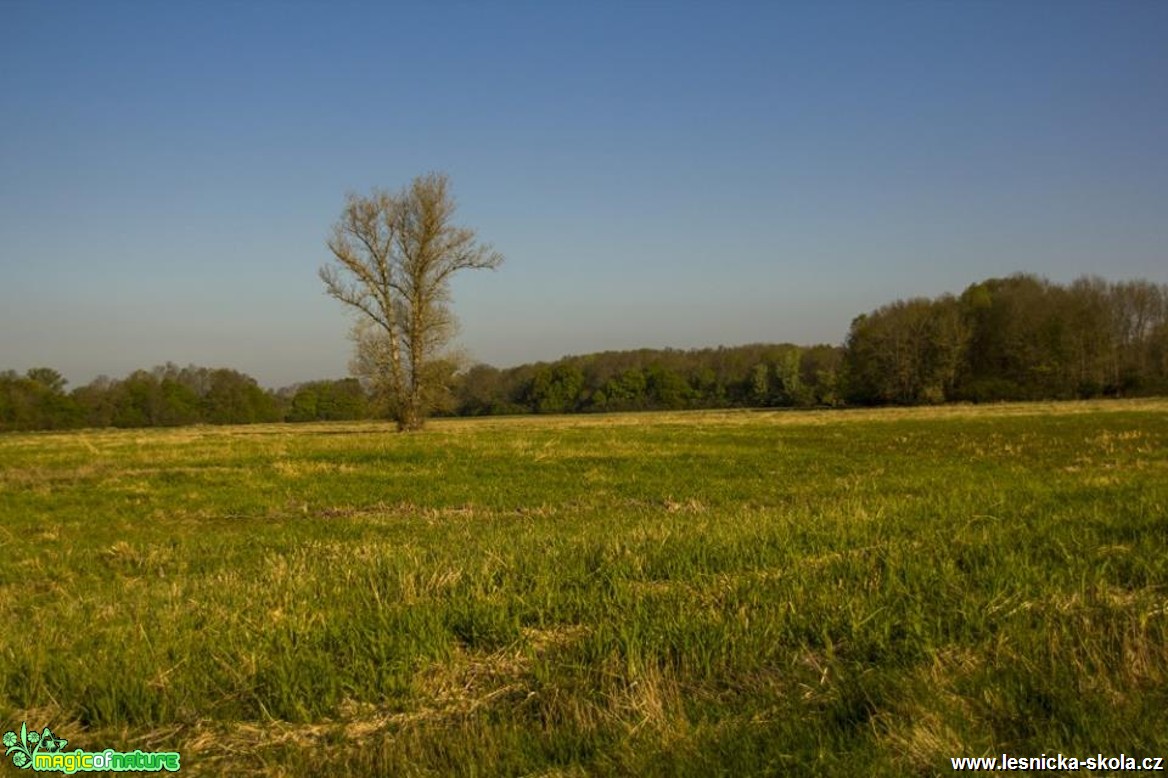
{"x":445,"y":692}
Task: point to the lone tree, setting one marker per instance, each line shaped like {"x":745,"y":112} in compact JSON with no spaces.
{"x":395,"y":254}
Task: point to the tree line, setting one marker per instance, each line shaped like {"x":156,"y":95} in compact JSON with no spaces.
{"x":1015,"y":338}
{"x":658,"y":379}
{"x":170,"y":396}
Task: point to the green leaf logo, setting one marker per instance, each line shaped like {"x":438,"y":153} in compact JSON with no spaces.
{"x":23,"y":747}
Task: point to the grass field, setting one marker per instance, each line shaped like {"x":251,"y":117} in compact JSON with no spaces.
{"x":724,"y":593}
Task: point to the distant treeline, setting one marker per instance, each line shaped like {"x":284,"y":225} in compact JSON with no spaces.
{"x":170,"y":396}
{"x":1016,"y":338}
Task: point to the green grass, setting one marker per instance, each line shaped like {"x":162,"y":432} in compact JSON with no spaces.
{"x":729,"y":593}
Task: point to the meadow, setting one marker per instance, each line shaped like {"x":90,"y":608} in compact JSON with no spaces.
{"x":706,"y":593}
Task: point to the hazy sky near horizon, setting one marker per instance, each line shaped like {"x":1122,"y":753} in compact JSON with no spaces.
{"x":656,"y":173}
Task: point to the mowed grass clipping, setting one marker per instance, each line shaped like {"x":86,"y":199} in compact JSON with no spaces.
{"x":726,"y":593}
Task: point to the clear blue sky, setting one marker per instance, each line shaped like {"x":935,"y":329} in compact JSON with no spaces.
{"x":656,"y":173}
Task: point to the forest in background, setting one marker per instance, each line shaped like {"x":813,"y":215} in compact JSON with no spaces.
{"x":1015,"y":338}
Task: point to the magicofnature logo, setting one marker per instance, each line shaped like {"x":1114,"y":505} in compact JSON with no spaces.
{"x":44,"y":751}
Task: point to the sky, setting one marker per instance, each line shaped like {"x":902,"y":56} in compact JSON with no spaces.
{"x":657,"y":174}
